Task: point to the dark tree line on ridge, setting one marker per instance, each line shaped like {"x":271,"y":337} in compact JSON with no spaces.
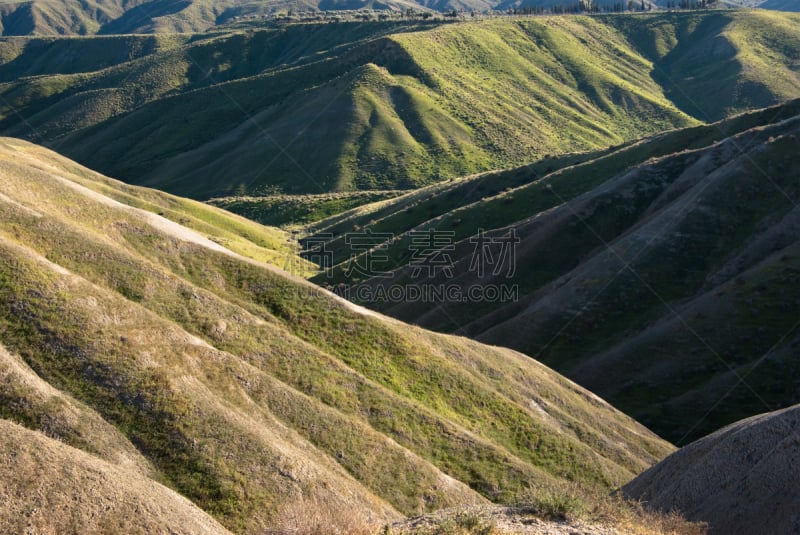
{"x":578,"y":7}
{"x":588,"y":6}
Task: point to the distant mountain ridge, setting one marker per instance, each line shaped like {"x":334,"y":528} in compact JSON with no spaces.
{"x":371,"y":101}
{"x":67,"y":17}
{"x":780,"y":5}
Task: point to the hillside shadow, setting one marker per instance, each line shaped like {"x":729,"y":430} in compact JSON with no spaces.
{"x":134,"y":19}
{"x":691,"y":72}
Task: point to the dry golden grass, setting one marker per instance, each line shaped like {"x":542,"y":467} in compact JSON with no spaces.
{"x":264,"y":400}
{"x":47,"y":487}
{"x":322,"y":518}
{"x":26,"y":397}
{"x":630,"y":517}
{"x":577,"y":503}
{"x":600,"y":515}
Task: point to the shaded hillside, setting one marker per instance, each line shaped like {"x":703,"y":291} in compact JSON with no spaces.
{"x":662,"y":274}
{"x":372,"y":103}
{"x":741,"y":479}
{"x":254,"y":394}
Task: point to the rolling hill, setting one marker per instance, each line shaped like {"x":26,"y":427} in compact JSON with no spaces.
{"x":780,"y":5}
{"x":149,"y":340}
{"x":43,"y":479}
{"x":372,"y":102}
{"x":661,"y":274}
{"x":60,"y":17}
{"x":741,"y":479}
{"x":67,"y":17}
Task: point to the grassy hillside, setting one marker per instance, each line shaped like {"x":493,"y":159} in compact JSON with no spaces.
{"x":59,"y":17}
{"x":67,"y":17}
{"x":372,"y":103}
{"x":133,"y":334}
{"x":712,"y":64}
{"x":660,"y":274}
{"x":293,"y":210}
{"x":43,"y":479}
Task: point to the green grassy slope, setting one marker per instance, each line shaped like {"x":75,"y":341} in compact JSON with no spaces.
{"x":657,"y":274}
{"x":67,"y":17}
{"x":27,"y":57}
{"x":711,"y":65}
{"x":373,"y":105}
{"x":131,"y":333}
{"x":501,"y":198}
{"x":292,"y":210}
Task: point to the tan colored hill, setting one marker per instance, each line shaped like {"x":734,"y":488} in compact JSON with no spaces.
{"x":740,"y":479}
{"x":137,"y":330}
{"x":49,"y":487}
{"x":526,"y":520}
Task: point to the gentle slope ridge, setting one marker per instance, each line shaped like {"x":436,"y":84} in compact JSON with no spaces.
{"x":741,"y":479}
{"x":253,"y":393}
{"x":371,"y":102}
{"x":49,"y":487}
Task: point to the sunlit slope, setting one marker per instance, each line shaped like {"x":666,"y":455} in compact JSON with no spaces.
{"x":93,"y":17}
{"x":59,"y":17}
{"x":44,"y":479}
{"x":320,"y":108}
{"x":253,"y":393}
{"x":711,"y":65}
{"x":106,"y":17}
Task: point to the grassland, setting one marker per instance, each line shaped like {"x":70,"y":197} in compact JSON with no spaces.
{"x":368,"y":106}
{"x":130,"y":333}
{"x":56,"y":17}
{"x":636,"y":267}
{"x":497,"y":199}
{"x":43,"y":479}
{"x":295,"y":210}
